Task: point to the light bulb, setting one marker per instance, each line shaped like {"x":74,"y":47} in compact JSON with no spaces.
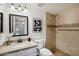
{"x":12,"y":6}
{"x":25,"y":9}
{"x":19,"y":8}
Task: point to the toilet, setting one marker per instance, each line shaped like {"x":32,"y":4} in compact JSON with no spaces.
{"x":41,"y":51}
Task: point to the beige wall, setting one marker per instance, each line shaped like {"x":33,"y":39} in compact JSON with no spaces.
{"x":50,"y":33}
{"x":68,"y":41}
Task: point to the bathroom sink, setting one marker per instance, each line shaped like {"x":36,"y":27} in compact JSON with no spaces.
{"x":20,"y":45}
{"x":24,"y":45}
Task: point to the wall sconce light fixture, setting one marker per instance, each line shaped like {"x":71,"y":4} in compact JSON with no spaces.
{"x":12,"y":6}
{"x":19,"y":8}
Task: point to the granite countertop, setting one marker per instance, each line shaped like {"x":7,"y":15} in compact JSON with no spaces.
{"x":17,"y":46}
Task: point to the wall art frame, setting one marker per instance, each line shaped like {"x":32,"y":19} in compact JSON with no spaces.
{"x":37,"y":25}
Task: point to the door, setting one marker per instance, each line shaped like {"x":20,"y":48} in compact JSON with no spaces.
{"x":50,"y":31}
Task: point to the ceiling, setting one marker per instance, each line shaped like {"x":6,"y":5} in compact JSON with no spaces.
{"x":58,"y":7}
{"x":48,"y":7}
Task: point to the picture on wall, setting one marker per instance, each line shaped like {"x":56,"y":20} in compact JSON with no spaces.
{"x":37,"y":25}
{"x":18,"y":25}
{"x":1,"y":22}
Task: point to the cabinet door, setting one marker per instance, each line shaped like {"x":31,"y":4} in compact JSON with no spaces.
{"x":27,"y":52}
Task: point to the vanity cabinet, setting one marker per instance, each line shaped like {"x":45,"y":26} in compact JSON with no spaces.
{"x":24,"y":52}
{"x":25,"y":48}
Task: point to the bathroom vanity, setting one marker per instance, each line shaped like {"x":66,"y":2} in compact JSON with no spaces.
{"x":25,"y":48}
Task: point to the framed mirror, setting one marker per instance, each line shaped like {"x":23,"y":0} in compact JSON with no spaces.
{"x":1,"y":22}
{"x":18,"y":25}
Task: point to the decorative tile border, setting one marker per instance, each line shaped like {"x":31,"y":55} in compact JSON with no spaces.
{"x":68,"y":29}
{"x":51,"y":26}
{"x":68,"y":25}
{"x":63,"y":25}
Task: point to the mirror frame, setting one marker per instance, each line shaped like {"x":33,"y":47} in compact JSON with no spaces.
{"x":1,"y":28}
{"x":10,"y":15}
